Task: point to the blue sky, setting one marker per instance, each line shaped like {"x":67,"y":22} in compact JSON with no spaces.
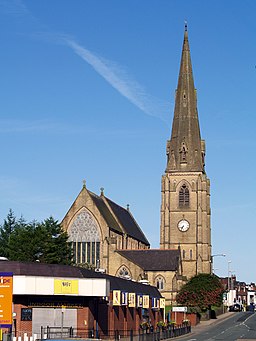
{"x":87,"y":92}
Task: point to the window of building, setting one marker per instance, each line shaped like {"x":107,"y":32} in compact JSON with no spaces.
{"x":123,"y":272}
{"x":84,"y":235}
{"x":191,"y":254}
{"x":160,"y":283}
{"x":184,"y":254}
{"x":184,"y":196}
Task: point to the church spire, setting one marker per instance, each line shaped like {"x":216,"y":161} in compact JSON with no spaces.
{"x":185,"y":150}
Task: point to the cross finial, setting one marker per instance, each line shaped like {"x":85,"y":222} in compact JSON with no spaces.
{"x":128,"y":207}
{"x":102,"y":191}
{"x":186,"y":25}
{"x":84,"y":183}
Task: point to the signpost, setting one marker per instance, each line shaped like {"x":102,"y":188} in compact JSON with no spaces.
{"x":180,"y":310}
{"x":6,"y":283}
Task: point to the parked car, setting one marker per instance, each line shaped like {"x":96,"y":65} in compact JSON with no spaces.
{"x":235,"y":307}
{"x":250,"y":307}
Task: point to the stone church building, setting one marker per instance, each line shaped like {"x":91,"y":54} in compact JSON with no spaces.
{"x":106,"y":235}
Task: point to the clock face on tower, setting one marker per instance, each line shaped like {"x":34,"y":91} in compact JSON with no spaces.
{"x":183,"y":225}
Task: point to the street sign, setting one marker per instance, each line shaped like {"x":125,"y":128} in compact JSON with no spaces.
{"x":180,"y":309}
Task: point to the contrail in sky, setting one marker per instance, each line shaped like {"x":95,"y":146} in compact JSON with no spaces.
{"x":14,"y":7}
{"x":119,"y":80}
{"x":115,"y":75}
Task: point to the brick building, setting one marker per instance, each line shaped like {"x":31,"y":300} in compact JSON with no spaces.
{"x":62,"y":300}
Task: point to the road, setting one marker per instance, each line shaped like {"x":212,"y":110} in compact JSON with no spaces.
{"x":240,"y":326}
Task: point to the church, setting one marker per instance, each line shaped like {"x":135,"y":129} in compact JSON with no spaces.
{"x":107,"y":237}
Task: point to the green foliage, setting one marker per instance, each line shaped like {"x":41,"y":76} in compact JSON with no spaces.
{"x":201,"y":291}
{"x":57,"y":249}
{"x":44,"y":242}
{"x":86,"y":266}
{"x":6,"y":230}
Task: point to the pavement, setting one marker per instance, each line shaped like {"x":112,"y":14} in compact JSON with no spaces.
{"x":204,"y":324}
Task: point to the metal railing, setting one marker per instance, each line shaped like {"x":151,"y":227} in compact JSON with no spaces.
{"x":117,"y":334}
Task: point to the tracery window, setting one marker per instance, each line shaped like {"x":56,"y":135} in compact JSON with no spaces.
{"x":85,"y":238}
{"x":184,"y":196}
{"x":160,"y":283}
{"x":123,"y":272}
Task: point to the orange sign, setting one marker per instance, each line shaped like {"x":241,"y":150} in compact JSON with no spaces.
{"x":6,"y":299}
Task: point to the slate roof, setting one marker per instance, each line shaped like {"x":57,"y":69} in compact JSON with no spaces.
{"x":116,"y":215}
{"x":107,"y":215}
{"x":153,"y":260}
{"x":68,"y":271}
{"x":128,"y":222}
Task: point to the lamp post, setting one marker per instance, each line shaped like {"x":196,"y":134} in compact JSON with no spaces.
{"x":217,"y":255}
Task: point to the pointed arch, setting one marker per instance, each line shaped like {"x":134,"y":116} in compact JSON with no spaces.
{"x":160,"y":282}
{"x":123,"y":272}
{"x":85,"y":236}
{"x":183,"y":152}
{"x":184,"y":196}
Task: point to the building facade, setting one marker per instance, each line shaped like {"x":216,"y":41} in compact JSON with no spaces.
{"x":97,"y":227}
{"x":62,"y":301}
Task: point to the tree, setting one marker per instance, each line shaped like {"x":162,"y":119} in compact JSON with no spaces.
{"x":44,"y":242}
{"x":6,"y":230}
{"x":201,"y":291}
{"x":57,"y":249}
{"x":22,"y":246}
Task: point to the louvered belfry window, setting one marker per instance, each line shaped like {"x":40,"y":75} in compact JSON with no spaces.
{"x":184,"y":196}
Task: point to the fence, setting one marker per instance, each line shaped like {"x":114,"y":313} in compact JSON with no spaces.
{"x":124,"y":335}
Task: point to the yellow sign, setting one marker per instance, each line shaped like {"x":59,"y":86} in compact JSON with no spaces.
{"x":132,"y":300}
{"x":6,"y":282}
{"x":162,"y":303}
{"x":65,"y":286}
{"x":116,"y":297}
{"x":145,"y":303}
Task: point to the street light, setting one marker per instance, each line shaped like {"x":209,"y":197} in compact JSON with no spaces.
{"x":217,"y":255}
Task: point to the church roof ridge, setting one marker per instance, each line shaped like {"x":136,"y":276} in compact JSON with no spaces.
{"x":127,"y":221}
{"x":118,"y":217}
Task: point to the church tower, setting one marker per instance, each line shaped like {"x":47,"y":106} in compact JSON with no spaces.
{"x":185,"y":207}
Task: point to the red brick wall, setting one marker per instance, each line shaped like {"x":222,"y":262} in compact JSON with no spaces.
{"x":83,"y":321}
{"x":179,"y":317}
{"x":131,"y":318}
{"x":21,"y":326}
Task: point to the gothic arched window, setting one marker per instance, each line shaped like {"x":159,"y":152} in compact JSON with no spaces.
{"x":160,"y":283}
{"x":84,"y":235}
{"x":184,"y":196}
